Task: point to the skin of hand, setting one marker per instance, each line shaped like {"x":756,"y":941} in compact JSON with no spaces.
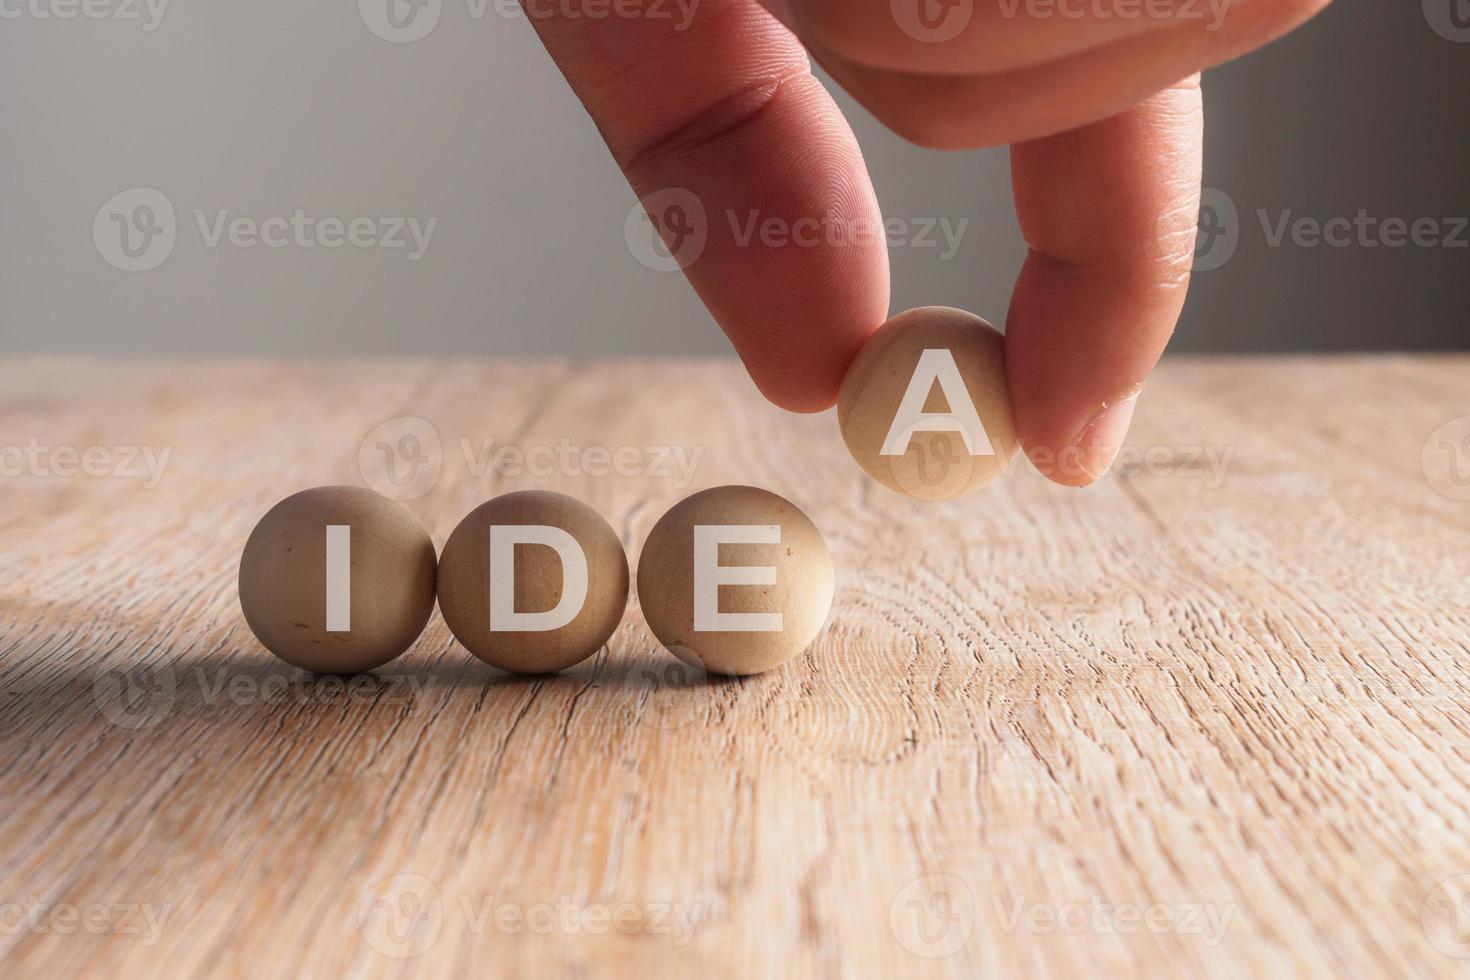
{"x":1102,"y":111}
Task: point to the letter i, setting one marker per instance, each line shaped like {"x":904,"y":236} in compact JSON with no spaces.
{"x":339,"y":578}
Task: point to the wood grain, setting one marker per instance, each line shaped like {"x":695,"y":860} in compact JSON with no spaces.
{"x":1230,"y":695}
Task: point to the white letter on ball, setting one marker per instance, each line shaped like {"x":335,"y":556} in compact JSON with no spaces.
{"x":503,"y":615}
{"x":709,"y":575}
{"x":339,"y":578}
{"x":937,"y":365}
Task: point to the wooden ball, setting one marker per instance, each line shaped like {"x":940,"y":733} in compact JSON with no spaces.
{"x":337,"y":580}
{"x":925,"y":408}
{"x":735,"y":580}
{"x":533,"y":582}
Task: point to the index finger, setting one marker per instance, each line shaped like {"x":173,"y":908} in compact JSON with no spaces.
{"x":721,"y":129}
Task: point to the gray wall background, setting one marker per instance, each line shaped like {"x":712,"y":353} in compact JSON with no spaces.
{"x":270,"y":105}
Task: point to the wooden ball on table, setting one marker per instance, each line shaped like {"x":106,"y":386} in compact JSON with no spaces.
{"x":925,"y":408}
{"x":735,"y":580}
{"x":337,"y":580}
{"x":533,"y":582}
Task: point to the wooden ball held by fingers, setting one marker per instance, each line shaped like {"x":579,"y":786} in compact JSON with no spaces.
{"x":533,"y":582}
{"x":337,"y":580}
{"x":735,"y":580}
{"x":925,"y":408}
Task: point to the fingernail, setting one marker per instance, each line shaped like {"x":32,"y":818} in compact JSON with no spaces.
{"x":1103,"y":436}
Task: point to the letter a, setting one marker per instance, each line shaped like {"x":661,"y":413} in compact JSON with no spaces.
{"x":937,"y":365}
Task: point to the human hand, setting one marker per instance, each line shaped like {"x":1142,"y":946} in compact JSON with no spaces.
{"x":1102,"y":111}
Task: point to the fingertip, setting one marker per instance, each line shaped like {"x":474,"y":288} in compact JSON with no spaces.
{"x":802,"y":400}
{"x":1080,"y":458}
{"x":798,"y":375}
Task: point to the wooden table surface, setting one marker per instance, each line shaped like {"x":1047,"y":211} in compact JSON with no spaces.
{"x":1210,"y":716}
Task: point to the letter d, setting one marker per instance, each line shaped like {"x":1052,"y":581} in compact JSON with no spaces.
{"x":503,"y":615}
